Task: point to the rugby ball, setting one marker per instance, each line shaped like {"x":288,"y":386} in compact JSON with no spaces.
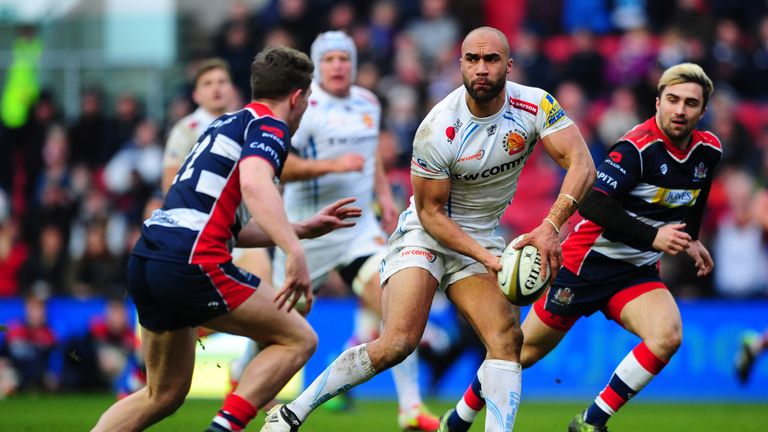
{"x":520,"y":276}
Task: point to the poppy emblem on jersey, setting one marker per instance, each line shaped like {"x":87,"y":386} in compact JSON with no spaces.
{"x":615,"y":156}
{"x":563,"y":296}
{"x":450,"y":132}
{"x":700,"y":171}
{"x":429,"y":256}
{"x":514,"y":143}
{"x":368,"y":120}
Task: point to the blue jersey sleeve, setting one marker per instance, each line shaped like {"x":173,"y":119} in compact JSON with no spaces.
{"x":268,"y":139}
{"x":620,"y":171}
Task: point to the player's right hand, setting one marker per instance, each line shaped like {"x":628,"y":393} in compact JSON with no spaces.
{"x":350,"y":162}
{"x":296,"y":283}
{"x":492,"y":263}
{"x":671,"y":239}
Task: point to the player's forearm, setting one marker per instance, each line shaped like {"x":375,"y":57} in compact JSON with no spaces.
{"x":297,"y":168}
{"x":266,"y":207}
{"x":578,"y":180}
{"x":381,"y":182}
{"x":252,"y":236}
{"x":608,"y":213}
{"x":450,"y":235}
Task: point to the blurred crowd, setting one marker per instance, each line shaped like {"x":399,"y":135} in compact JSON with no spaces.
{"x":73,"y":191}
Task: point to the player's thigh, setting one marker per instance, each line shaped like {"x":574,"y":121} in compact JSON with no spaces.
{"x":170,"y":358}
{"x":480,"y":301}
{"x":405,"y":303}
{"x":652,"y":314}
{"x":538,"y":338}
{"x":259,"y":318}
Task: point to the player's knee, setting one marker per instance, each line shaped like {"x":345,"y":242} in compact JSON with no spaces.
{"x":531,"y":354}
{"x":666,"y":342}
{"x":169,"y":400}
{"x":398,"y":348}
{"x":308,"y":344}
{"x":506,"y":342}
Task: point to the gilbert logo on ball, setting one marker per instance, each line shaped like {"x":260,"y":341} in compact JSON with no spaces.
{"x":520,"y":277}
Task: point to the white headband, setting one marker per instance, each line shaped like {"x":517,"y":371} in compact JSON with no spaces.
{"x":333,"y":41}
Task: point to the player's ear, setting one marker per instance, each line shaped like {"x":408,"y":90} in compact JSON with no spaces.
{"x":294,"y":98}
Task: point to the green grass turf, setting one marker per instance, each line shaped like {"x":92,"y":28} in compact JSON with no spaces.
{"x":66,"y":413}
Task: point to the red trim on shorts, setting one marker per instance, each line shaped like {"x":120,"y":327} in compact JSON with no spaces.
{"x":557,"y":322}
{"x":471,"y":399}
{"x":232,"y":291}
{"x":620,"y":299}
{"x":611,"y":398}
{"x":648,"y":359}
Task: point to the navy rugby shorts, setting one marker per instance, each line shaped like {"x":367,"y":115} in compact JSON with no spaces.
{"x":572,"y":297}
{"x":170,"y":295}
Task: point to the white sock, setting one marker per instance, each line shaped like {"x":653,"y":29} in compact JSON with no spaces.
{"x":351,"y":368}
{"x":406,"y":377}
{"x":501,"y":381}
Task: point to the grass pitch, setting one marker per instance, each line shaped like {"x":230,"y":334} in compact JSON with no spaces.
{"x":65,"y":413}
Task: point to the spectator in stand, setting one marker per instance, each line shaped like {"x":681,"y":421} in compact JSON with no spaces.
{"x":759,"y":66}
{"x":13,"y":252}
{"x":536,"y":69}
{"x":739,"y":242}
{"x":134,"y":172}
{"x":590,"y":14}
{"x":95,"y":273}
{"x":619,"y":117}
{"x":29,"y":350}
{"x":740,"y":151}
{"x":128,"y":115}
{"x":635,"y":56}
{"x":383,"y":29}
{"x":435,"y":32}
{"x":43,"y":273}
{"x":728,"y":60}
{"x":88,"y":134}
{"x":585,"y":66}
{"x":114,"y":340}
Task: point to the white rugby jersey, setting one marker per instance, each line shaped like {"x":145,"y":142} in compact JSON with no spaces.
{"x":184,"y":135}
{"x":330,"y":128}
{"x":483,"y":157}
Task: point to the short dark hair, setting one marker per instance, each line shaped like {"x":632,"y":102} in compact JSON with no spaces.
{"x":208,"y":65}
{"x":278,"y":71}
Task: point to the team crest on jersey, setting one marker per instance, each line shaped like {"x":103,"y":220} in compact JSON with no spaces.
{"x":368,"y":120}
{"x":700,"y":172}
{"x":514,"y":142}
{"x":563,"y":296}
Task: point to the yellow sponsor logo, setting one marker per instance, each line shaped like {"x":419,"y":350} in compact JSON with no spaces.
{"x":676,"y":197}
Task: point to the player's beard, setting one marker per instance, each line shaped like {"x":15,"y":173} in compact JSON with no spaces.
{"x":485,"y":95}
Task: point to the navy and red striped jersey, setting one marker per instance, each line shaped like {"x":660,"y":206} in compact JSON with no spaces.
{"x":203,"y":211}
{"x":655,"y":182}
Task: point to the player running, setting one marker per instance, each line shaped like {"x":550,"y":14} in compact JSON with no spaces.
{"x":468,"y":154}
{"x":180,"y":272}
{"x":343,"y":119}
{"x":649,"y":199}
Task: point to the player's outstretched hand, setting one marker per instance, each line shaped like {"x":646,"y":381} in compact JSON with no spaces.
{"x":545,"y":238}
{"x":296,"y":282}
{"x":701,"y":258}
{"x":349,"y":162}
{"x":332,"y":217}
{"x":671,"y":239}
{"x":388,"y":214}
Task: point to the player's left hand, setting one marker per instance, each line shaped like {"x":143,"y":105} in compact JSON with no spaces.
{"x":331,"y":217}
{"x":701,"y":258}
{"x":547,"y":242}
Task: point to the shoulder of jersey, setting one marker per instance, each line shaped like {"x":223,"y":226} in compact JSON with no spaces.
{"x":642,"y":135}
{"x":525,"y":98}
{"x":364,"y":94}
{"x":708,"y":139}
